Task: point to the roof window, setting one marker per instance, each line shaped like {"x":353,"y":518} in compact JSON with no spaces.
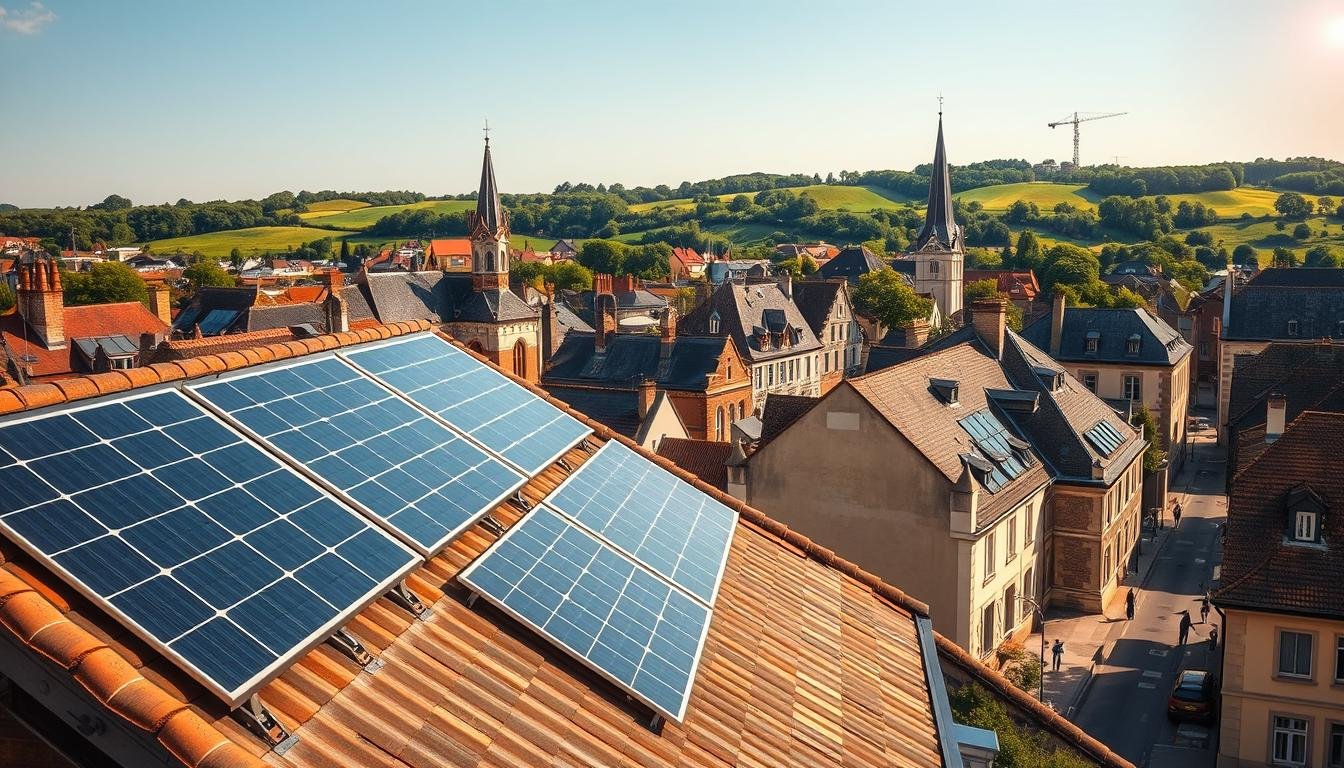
{"x":1292,"y":327}
{"x":1132,"y":344}
{"x":1093,"y":341}
{"x":945,"y":389}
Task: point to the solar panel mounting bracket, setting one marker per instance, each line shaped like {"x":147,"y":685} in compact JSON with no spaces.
{"x":351,"y":648}
{"x":256,"y":718}
{"x":565,"y":465}
{"x":521,"y":500}
{"x":493,"y":526}
{"x":408,"y":601}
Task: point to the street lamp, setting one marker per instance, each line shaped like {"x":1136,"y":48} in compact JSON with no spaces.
{"x":1040,"y":616}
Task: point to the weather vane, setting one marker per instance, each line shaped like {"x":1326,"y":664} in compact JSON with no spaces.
{"x":940,"y":104}
{"x":487,"y":130}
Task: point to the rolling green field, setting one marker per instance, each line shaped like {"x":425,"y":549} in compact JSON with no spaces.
{"x":828,"y":196}
{"x":249,"y":241}
{"x":1265,"y":237}
{"x":331,"y":206}
{"x":1229,"y":204}
{"x":363,"y":218}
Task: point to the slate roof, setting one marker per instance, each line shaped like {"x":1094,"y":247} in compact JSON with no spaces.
{"x":809,"y":660}
{"x":357,"y":307}
{"x":1313,"y":298}
{"x":402,"y":296}
{"x":129,"y":319}
{"x":782,"y":410}
{"x":1308,"y":375}
{"x":852,"y":262}
{"x":618,"y":409}
{"x":742,"y":308}
{"x":816,"y":299}
{"x":209,"y":299}
{"x":703,"y":458}
{"x":1159,"y":343}
{"x":263,"y":318}
{"x":569,"y":320}
{"x":1262,"y":571}
{"x":630,"y":358}
{"x":940,"y":227}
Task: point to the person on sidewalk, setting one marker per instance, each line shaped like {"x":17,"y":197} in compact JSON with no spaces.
{"x":1185,"y":626}
{"x":1213,"y":638}
{"x":1129,"y":605}
{"x":1204,"y":609}
{"x":1057,"y":652}
{"x":1176,"y":515}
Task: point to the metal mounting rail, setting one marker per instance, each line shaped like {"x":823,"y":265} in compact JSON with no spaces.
{"x":256,"y":718}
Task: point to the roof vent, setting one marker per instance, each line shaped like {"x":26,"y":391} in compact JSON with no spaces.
{"x":945,"y":389}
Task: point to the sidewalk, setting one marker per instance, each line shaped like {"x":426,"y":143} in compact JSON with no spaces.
{"x":1087,"y":636}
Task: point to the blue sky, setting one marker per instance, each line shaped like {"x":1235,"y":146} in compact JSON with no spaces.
{"x":161,"y":100}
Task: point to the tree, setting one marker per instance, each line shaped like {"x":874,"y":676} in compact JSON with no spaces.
{"x":1018,"y":747}
{"x":739,"y":203}
{"x":207,"y":274}
{"x":1325,"y":205}
{"x":1284,"y":258}
{"x":603,"y":256}
{"x":1293,"y":206}
{"x":7,"y":298}
{"x":105,"y":283}
{"x":236,"y":259}
{"x":988,"y":289}
{"x":1027,"y":254}
{"x":884,"y":294}
{"x":1324,"y":256}
{"x":1301,"y":231}
{"x":1071,"y":265}
{"x":1153,"y":455}
{"x":113,"y":203}
{"x":344,"y":258}
{"x":569,"y":275}
{"x":1245,"y":255}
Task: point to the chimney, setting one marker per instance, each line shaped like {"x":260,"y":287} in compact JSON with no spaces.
{"x":786,"y":285}
{"x":916,"y":334}
{"x":1276,"y":413}
{"x":647,"y":391}
{"x":604,"y":311}
{"x":41,"y":303}
{"x":601,"y":284}
{"x":334,"y":309}
{"x":667,"y":324}
{"x":1228,"y":282}
{"x":990,"y":318}
{"x":149,"y":344}
{"x":626,"y":284}
{"x":550,"y":329}
{"x":160,"y":303}
{"x":1056,"y":323}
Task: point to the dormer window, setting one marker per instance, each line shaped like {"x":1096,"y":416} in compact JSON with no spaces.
{"x":1305,"y":526}
{"x":1093,"y":341}
{"x":714,"y":323}
{"x":1306,"y":516}
{"x":946,"y":389}
{"x":1292,"y":327}
{"x":1132,"y":345}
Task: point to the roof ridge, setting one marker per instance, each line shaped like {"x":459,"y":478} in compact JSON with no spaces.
{"x":1287,"y":430}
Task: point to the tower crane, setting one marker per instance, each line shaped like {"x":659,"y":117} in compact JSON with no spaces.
{"x":1075,"y":120}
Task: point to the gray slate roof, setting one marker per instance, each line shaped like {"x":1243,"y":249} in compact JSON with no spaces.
{"x":1263,"y":308}
{"x":815,"y":299}
{"x":616,"y":408}
{"x":357,"y":303}
{"x":852,"y":262}
{"x":630,"y":358}
{"x":401,"y":296}
{"x":741,"y":308}
{"x":267,"y":318}
{"x":1159,"y":343}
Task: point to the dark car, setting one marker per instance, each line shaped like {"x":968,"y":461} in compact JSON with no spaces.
{"x":1195,"y":697}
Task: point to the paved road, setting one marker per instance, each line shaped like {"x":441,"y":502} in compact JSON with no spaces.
{"x":1126,"y":705}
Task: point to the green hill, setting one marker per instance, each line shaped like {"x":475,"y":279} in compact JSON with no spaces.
{"x":828,"y":196}
{"x":326,"y":207}
{"x":363,"y":218}
{"x":249,"y":241}
{"x":1229,"y":204}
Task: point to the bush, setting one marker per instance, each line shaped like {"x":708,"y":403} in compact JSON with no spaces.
{"x":1018,"y":748}
{"x":1301,"y":231}
{"x":1020,"y":665}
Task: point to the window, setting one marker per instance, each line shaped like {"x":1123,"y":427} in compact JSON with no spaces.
{"x":1009,"y":607}
{"x":1304,"y":525}
{"x":730,"y":371}
{"x":1292,"y":327}
{"x":990,"y":560}
{"x":826,"y":360}
{"x":742,"y":407}
{"x":771,"y":370}
{"x":1132,"y":345}
{"x":520,"y":358}
{"x":809,"y":366}
{"x":933,"y":267}
{"x":1339,"y":659}
{"x":1106,"y":563}
{"x":1090,"y":381}
{"x":1295,"y":654}
{"x":988,"y":615}
{"x":732,"y":414}
{"x":1029,"y":584}
{"x":1289,"y":744}
{"x":1203,"y":350}
{"x":1133,"y":389}
{"x":718,"y":424}
{"x":1012,"y":548}
{"x":1092,"y":342}
{"x":832,"y":331}
{"x":1335,"y":746}
{"x":714,"y":323}
{"x":758,"y":377}
{"x":1028,"y":527}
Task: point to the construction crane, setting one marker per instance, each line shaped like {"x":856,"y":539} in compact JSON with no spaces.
{"x":1075,"y":120}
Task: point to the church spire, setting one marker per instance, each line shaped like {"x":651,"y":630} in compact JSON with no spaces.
{"x":939,"y":224}
{"x":489,"y":213}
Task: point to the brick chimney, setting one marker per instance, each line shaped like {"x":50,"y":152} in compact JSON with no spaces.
{"x":916,"y":334}
{"x":990,"y":318}
{"x":786,"y":285}
{"x":160,"y":303}
{"x":41,"y":303}
{"x":1056,"y":323}
{"x":1276,"y":414}
{"x":604,"y":311}
{"x":648,"y":390}
{"x":334,"y":309}
{"x":627,"y":284}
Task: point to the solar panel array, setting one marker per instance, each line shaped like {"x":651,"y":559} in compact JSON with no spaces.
{"x":632,"y":522}
{"x":425,"y":482}
{"x":474,"y":398}
{"x":631,"y":626}
{"x":1104,"y":437}
{"x":225,"y":559}
{"x":991,"y":439}
{"x":651,"y":515}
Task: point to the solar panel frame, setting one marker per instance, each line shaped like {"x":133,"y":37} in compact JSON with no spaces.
{"x":350,"y":355}
{"x":466,"y":577}
{"x":243,"y":691}
{"x":197,"y":392}
{"x":591,"y":465}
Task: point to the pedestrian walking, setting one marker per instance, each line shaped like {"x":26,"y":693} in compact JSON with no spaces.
{"x":1176,"y":515}
{"x":1057,"y":652}
{"x":1129,"y":605}
{"x":1185,"y":626}
{"x":1213,"y":638}
{"x":1204,"y":609}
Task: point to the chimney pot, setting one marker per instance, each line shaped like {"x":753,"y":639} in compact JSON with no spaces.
{"x":648,"y":390}
{"x":1056,"y":323}
{"x":1276,"y":413}
{"x":990,"y":318}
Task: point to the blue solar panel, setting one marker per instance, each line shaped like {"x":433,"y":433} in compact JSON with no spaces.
{"x":599,"y":606}
{"x":226,"y":560}
{"x":476,"y":399}
{"x":1104,"y":437}
{"x":651,"y":515}
{"x":991,"y":439}
{"x":423,"y":481}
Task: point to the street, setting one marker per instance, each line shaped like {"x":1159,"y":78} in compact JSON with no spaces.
{"x":1125,"y":706}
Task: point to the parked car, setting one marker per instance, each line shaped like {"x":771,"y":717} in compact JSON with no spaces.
{"x":1194,"y":697}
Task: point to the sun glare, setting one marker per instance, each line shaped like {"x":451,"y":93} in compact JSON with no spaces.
{"x":1334,"y":31}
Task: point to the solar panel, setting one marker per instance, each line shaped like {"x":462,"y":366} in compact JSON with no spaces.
{"x":992,"y":439}
{"x":596,"y":604}
{"x":222,"y":558}
{"x":476,"y":399}
{"x":421,"y":480}
{"x":1105,"y":437}
{"x":651,"y":515}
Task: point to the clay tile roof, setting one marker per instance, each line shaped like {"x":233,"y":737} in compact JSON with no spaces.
{"x":129,"y":319}
{"x":809,"y":659}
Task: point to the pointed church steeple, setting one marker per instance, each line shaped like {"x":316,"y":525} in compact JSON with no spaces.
{"x":489,"y":228}
{"x":489,"y":214}
{"x":939,"y":225}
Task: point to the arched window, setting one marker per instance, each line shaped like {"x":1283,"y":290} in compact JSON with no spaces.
{"x":714,"y":323}
{"x":520,"y":358}
{"x":732,"y":414}
{"x":718,"y":424}
{"x":742,"y":407}
{"x":475,"y":346}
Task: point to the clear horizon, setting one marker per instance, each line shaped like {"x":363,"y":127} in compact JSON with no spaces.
{"x":157,"y":101}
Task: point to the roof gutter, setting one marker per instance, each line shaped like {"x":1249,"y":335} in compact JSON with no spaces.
{"x":941,"y":707}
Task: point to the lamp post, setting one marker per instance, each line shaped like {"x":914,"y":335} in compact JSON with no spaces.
{"x":1040,"y":616}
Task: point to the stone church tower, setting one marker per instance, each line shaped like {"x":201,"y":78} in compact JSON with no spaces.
{"x":938,"y":251}
{"x":488,"y":228}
